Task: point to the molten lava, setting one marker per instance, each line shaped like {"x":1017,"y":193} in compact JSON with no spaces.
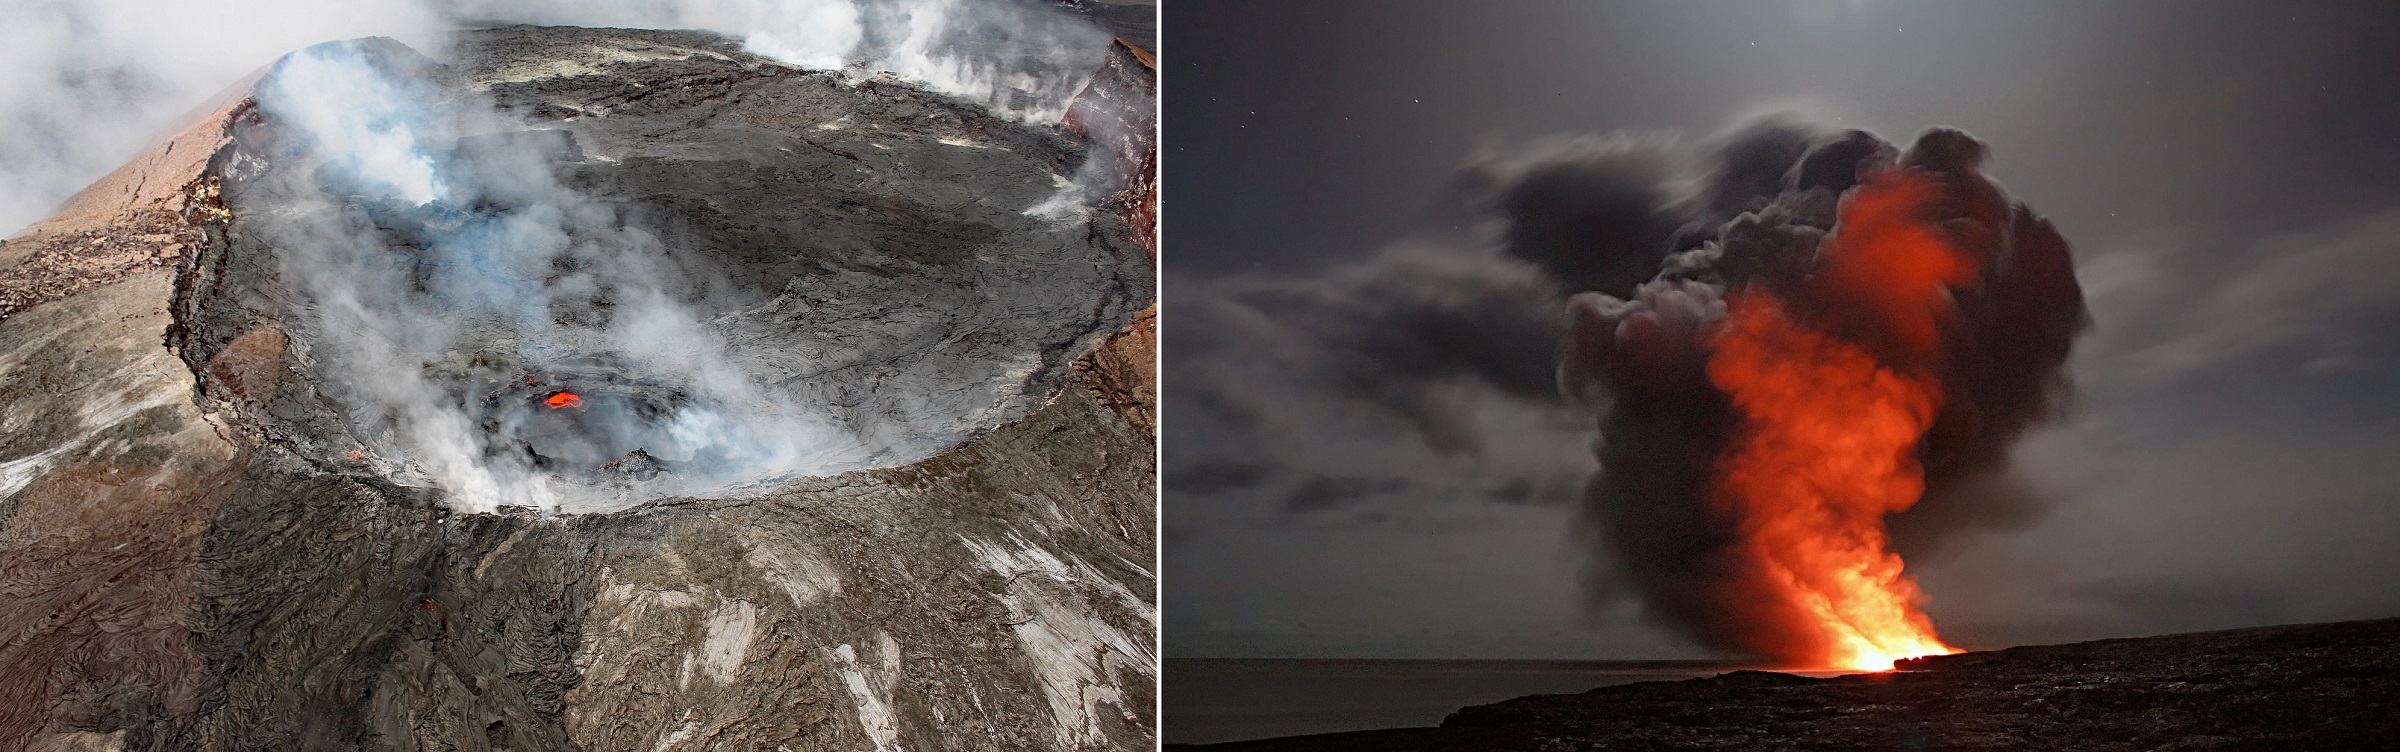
{"x":1832,"y":409}
{"x":563,"y":400}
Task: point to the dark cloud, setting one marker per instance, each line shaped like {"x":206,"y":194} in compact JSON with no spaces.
{"x":1323,"y":493}
{"x":1400,"y":333}
{"x":1214,"y":474}
{"x":1560,"y":490}
{"x":2184,"y":307}
{"x":1594,"y":212}
{"x":1757,"y":160}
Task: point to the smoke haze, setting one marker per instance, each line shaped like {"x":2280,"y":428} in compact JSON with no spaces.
{"x":92,"y":82}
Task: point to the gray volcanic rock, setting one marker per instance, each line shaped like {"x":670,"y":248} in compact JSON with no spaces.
{"x":199,"y":550}
{"x":638,"y":465}
{"x":2313,"y":686}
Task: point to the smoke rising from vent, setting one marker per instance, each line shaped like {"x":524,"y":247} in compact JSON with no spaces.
{"x":93,"y":81}
{"x":439,"y":259}
{"x":1867,"y":334}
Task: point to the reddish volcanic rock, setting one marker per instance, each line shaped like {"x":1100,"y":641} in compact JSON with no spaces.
{"x":1123,"y":372}
{"x":1118,"y":111}
{"x":135,"y":219}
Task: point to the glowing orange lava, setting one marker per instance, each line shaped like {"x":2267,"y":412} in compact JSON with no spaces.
{"x":1829,"y":431}
{"x":563,"y":400}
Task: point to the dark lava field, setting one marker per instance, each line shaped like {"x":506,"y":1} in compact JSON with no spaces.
{"x":2303,"y":687}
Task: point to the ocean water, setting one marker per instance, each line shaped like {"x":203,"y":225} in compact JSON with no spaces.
{"x":1220,"y":700}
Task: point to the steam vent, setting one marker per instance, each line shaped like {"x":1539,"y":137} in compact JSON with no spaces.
{"x":587,"y":389}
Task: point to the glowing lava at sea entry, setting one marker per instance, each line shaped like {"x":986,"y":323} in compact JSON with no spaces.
{"x":563,"y":400}
{"x":1832,"y":409}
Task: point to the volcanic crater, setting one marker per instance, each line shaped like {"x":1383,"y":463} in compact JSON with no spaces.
{"x":246,"y":377}
{"x":861,"y":250}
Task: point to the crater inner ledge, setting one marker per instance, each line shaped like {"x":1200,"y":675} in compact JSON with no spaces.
{"x":736,"y":272}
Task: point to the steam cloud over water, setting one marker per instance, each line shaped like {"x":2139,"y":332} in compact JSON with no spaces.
{"x":93,"y":81}
{"x":440,"y":259}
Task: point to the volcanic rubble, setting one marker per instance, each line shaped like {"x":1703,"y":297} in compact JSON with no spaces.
{"x":2314,"y":686}
{"x":202,"y":548}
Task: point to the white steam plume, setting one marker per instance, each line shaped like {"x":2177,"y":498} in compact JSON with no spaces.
{"x":410,"y":340}
{"x":91,"y":82}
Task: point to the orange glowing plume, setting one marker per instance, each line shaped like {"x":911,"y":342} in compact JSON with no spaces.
{"x":563,"y":400}
{"x":1830,"y":430}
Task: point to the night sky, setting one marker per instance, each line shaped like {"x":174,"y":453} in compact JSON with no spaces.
{"x":2228,"y":175}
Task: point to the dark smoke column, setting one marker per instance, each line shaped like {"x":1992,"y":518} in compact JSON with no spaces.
{"x":1867,"y":336}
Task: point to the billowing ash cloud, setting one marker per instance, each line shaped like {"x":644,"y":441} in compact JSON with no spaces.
{"x":1768,"y":223}
{"x":91,"y":82}
{"x":426,"y":225}
{"x":1593,"y":299}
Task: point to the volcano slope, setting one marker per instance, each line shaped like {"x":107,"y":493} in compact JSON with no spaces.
{"x":2311,"y":686}
{"x":206,"y":542}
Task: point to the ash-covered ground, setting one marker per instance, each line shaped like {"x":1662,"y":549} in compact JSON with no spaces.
{"x":2313,"y":686}
{"x":225,"y":517}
